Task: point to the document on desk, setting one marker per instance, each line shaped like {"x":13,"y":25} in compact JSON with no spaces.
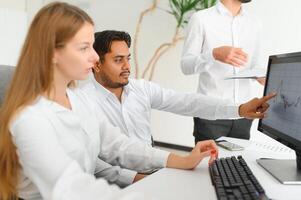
{"x":267,"y":147}
{"x":248,"y":74}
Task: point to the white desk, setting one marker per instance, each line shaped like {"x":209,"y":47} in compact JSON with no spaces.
{"x":173,"y":184}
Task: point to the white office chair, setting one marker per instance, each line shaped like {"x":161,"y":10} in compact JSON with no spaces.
{"x":6,"y":73}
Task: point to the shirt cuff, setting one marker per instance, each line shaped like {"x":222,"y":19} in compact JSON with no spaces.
{"x":160,"y":158}
{"x":209,"y":56}
{"x":233,"y":111}
{"x":228,"y":112}
{"x":126,"y":177}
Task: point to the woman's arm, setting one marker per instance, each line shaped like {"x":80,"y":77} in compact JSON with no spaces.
{"x":118,"y":149}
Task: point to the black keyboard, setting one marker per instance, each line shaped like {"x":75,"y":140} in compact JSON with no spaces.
{"x":233,"y":179}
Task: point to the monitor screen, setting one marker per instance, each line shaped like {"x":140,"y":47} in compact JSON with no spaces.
{"x":283,"y":121}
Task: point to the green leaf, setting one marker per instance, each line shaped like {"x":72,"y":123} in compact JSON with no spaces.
{"x":180,"y":8}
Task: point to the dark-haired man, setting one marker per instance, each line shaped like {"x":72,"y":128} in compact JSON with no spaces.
{"x":127,"y":103}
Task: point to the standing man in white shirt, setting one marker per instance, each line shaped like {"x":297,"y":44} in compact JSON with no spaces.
{"x":127,"y":103}
{"x":222,"y":41}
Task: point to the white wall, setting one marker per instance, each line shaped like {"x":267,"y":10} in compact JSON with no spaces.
{"x":15,"y":17}
{"x":281,"y":27}
{"x":13,"y":23}
{"x":281,"y":33}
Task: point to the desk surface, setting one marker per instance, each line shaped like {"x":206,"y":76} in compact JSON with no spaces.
{"x":167,"y":184}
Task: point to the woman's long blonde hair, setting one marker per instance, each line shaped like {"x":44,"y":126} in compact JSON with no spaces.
{"x":52,"y":27}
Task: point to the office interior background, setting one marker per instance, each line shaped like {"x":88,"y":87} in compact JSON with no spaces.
{"x":281,"y":34}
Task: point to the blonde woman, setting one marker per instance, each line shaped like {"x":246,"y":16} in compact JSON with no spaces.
{"x":50,"y":135}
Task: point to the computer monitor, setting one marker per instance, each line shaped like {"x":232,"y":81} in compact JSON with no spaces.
{"x":283,"y":121}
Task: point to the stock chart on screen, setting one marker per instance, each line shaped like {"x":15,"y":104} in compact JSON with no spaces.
{"x":285,"y":109}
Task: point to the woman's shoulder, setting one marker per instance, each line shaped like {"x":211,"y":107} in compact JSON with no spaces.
{"x":32,"y":109}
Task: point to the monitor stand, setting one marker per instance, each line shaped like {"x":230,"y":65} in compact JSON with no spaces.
{"x":285,"y":171}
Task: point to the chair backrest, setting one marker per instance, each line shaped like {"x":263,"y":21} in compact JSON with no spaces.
{"x":6,"y":73}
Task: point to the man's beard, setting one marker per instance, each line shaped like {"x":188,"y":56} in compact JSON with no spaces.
{"x":107,"y":82}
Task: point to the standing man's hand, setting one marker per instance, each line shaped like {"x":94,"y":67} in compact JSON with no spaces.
{"x":255,"y":108}
{"x":230,"y":55}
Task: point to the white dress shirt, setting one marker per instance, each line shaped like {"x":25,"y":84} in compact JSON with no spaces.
{"x":215,"y":27}
{"x":59,"y":151}
{"x":133,"y":114}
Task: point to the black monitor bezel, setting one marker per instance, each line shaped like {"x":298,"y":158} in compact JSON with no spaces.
{"x":269,"y":131}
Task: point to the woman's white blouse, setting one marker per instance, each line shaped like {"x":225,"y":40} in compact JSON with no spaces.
{"x":59,"y":150}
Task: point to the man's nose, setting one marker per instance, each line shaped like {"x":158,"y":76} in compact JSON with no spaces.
{"x":126,"y":65}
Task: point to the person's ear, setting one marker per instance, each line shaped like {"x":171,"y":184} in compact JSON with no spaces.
{"x":55,"y":58}
{"x":96,"y":67}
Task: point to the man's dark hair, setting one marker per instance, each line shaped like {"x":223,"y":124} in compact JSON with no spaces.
{"x":104,"y":39}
